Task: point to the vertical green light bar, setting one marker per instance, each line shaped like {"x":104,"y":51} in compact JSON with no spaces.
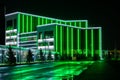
{"x":61,"y":49}
{"x":26,"y":23}
{"x":51,"y":21}
{"x":92,"y":43}
{"x":56,"y":38}
{"x":67,"y":39}
{"x":79,"y":47}
{"x":22,"y":23}
{"x":78,"y":39}
{"x":71,"y":40}
{"x":46,"y":21}
{"x":30,"y":23}
{"x":86,"y":39}
{"x":18,"y":23}
{"x":42,"y":21}
{"x":100,"y":43}
{"x":38,"y":21}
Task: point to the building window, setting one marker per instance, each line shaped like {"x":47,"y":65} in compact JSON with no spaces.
{"x":40,"y":35}
{"x":9,"y":25}
{"x":15,"y":23}
{"x":51,"y":43}
{"x":48,"y":34}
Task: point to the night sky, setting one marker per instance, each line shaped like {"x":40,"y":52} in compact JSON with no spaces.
{"x":99,"y":14}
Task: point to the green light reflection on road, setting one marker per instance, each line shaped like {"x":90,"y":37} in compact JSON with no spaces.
{"x":55,"y":71}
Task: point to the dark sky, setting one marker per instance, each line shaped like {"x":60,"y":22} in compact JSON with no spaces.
{"x":100,"y":13}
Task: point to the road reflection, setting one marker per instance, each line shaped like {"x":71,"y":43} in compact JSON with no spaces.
{"x":44,"y":71}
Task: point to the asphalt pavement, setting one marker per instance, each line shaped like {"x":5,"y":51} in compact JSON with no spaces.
{"x":101,"y":70}
{"x":44,"y":71}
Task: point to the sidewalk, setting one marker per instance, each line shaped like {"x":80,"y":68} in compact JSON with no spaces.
{"x":101,"y":70}
{"x":21,"y":63}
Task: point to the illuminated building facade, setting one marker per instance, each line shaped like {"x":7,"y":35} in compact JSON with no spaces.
{"x":62,"y":36}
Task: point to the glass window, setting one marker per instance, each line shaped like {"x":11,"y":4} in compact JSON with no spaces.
{"x":48,"y":34}
{"x":15,"y":23}
{"x":40,"y":35}
{"x":9,"y":23}
{"x":51,"y":43}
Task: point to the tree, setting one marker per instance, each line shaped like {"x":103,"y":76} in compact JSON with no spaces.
{"x":11,"y":57}
{"x":29,"y":56}
{"x":56,"y":56}
{"x":41,"y":55}
{"x":49,"y":57}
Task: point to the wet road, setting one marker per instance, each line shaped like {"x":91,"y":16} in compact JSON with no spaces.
{"x":44,"y":71}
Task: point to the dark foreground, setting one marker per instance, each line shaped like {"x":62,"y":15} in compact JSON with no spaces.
{"x":83,"y":70}
{"x":101,"y":70}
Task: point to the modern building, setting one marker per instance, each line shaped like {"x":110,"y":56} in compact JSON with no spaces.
{"x":61,"y":36}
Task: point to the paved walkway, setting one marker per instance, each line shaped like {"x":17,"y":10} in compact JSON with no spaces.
{"x":101,"y":70}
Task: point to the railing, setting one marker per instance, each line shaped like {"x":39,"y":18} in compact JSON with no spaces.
{"x":20,"y":55}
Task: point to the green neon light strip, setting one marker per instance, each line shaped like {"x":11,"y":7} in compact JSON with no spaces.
{"x":67,"y":39}
{"x":30,"y":23}
{"x":76,"y":20}
{"x":22,"y":23}
{"x":56,"y":38}
{"x":71,"y":40}
{"x":92,"y":43}
{"x":86,"y":40}
{"x":51,"y":21}
{"x":18,"y":23}
{"x":27,"y":23}
{"x":46,"y":21}
{"x":61,"y":39}
{"x":42,"y":21}
{"x":38,"y":21}
{"x":100,"y":43}
{"x":79,"y":38}
{"x":44,"y":17}
{"x":35,"y":16}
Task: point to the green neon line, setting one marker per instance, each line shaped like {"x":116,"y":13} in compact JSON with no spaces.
{"x":46,"y":21}
{"x":86,"y":24}
{"x":100,"y":43}
{"x":38,"y":21}
{"x":61,"y":49}
{"x":71,"y":40}
{"x":42,"y":21}
{"x":86,"y":40}
{"x":92,"y":43}
{"x":78,"y":39}
{"x":67,"y":39}
{"x":51,"y":21}
{"x":56,"y":38}
{"x":27,"y":23}
{"x":75,"y":24}
{"x":79,"y":35}
{"x":22,"y":23}
{"x":18,"y":23}
{"x":56,"y":21}
{"x":30,"y":23}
